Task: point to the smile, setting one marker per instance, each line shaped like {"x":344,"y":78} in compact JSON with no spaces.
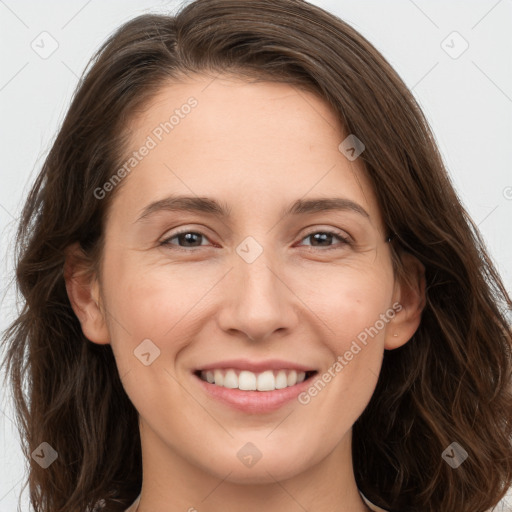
{"x":268,"y":380}
{"x":253,"y":386}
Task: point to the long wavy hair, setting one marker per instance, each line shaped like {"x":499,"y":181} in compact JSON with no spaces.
{"x":450,"y":383}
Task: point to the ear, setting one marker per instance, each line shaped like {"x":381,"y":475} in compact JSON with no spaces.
{"x":410,"y":299}
{"x":84,"y":294}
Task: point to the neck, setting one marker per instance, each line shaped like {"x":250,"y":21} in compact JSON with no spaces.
{"x":327,"y":485}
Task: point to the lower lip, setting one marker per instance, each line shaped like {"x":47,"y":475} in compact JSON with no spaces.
{"x":255,"y":402}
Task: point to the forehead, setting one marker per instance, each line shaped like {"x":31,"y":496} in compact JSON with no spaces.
{"x":224,"y":101}
{"x":228,"y":137}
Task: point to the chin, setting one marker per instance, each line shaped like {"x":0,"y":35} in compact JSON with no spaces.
{"x":268,"y":469}
{"x":268,"y":474}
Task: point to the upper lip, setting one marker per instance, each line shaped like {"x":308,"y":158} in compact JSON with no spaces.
{"x":256,"y":366}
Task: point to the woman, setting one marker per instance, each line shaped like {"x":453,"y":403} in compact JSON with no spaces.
{"x":249,"y":283}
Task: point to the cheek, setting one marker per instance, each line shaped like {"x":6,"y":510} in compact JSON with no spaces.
{"x":151,"y":294}
{"x":349,"y":301}
{"x":355,"y":308}
{"x":362,"y":307}
{"x":150,"y":323}
{"x":147,"y":303}
{"x":353,"y":346}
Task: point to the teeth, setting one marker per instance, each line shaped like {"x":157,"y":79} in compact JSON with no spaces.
{"x":249,"y":381}
{"x":218,"y":377}
{"x":266,"y":381}
{"x":281,"y":380}
{"x":230,"y":380}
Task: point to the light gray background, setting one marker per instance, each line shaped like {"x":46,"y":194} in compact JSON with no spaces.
{"x":467,"y":100}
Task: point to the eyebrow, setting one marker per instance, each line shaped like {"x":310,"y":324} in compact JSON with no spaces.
{"x":222,"y":210}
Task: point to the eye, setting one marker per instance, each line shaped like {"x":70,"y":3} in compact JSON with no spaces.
{"x":324,"y":237}
{"x":190,"y":238}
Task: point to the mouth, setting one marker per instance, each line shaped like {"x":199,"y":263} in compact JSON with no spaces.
{"x":254,"y":387}
{"x":246,"y":380}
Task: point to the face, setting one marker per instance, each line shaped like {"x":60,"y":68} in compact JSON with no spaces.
{"x":251,"y":282}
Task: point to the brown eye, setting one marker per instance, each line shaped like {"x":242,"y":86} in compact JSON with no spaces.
{"x":188,"y":238}
{"x":324,"y":239}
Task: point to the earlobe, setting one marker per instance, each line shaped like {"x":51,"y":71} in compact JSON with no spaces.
{"x":83,"y":293}
{"x":410,"y":294}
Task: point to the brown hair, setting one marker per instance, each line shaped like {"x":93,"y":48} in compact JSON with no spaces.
{"x":450,"y":382}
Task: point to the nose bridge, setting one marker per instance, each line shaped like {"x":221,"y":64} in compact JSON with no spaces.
{"x":259,"y":302}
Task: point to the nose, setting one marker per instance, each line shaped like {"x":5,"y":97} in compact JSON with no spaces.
{"x":258,"y":300}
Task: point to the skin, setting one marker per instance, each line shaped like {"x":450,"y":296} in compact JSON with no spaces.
{"x":256,"y":147}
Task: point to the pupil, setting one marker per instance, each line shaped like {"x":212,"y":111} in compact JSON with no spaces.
{"x":189,"y":237}
{"x":323,"y":236}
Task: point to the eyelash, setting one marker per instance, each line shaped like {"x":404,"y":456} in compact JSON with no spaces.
{"x":344,"y":240}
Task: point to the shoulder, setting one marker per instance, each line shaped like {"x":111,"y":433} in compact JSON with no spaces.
{"x":368,"y":502}
{"x":133,"y":506}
